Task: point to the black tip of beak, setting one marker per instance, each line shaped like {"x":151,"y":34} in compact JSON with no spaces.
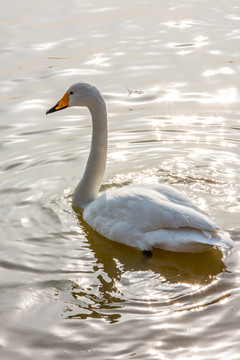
{"x":53,"y":109}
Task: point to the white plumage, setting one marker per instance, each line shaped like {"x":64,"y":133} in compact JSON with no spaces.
{"x":144,"y":216}
{"x":153,"y":216}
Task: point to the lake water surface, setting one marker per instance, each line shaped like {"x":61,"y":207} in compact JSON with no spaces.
{"x":169,"y":71}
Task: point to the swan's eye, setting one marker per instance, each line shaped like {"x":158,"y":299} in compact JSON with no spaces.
{"x":71,"y":92}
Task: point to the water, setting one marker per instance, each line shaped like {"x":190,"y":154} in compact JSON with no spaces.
{"x":66,"y":293}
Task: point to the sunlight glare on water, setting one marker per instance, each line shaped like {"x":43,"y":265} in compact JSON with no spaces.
{"x":169,"y":73}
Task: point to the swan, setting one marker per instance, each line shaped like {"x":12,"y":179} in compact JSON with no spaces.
{"x":144,"y":216}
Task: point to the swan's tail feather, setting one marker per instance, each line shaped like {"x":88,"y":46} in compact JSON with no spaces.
{"x":187,"y":240}
{"x":222,"y":239}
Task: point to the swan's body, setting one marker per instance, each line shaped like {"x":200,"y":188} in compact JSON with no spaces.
{"x":144,"y":216}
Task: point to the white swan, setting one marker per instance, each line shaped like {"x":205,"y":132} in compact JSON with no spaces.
{"x":144,"y":216}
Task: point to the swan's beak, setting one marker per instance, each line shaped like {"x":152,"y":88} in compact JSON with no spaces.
{"x":62,"y":104}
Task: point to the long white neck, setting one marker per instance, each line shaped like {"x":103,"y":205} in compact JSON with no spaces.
{"x":88,"y":187}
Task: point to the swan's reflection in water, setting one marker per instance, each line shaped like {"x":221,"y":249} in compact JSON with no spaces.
{"x":121,"y":274}
{"x":199,"y":268}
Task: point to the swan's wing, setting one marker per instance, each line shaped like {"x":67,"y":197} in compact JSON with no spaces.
{"x":146,"y":208}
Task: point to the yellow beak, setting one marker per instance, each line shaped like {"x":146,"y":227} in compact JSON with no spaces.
{"x":62,"y":104}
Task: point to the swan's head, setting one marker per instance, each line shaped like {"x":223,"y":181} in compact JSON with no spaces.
{"x":79,"y":94}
